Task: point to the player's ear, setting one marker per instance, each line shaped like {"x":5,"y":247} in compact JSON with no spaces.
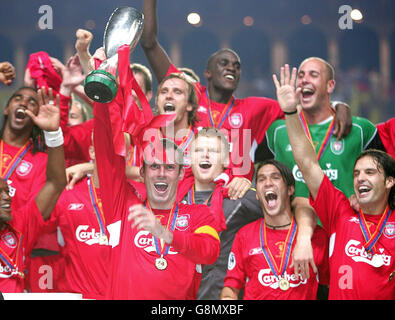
{"x":5,"y":112}
{"x":142,"y":170}
{"x":389,"y":182}
{"x":181,"y":173}
{"x":330,"y":86}
{"x":207,"y":74}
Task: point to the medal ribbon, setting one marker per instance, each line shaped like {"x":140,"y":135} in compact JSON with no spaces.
{"x":224,"y":112}
{"x":371,"y":239}
{"x":172,"y":217}
{"x":187,"y":139}
{"x":7,"y":259}
{"x":327,"y":137}
{"x":96,"y":208}
{"x":286,"y":253}
{"x":15,"y":160}
{"x":191,"y":196}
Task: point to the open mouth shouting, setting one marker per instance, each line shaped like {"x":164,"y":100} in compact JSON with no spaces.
{"x":169,"y":107}
{"x":307,"y":93}
{"x":271,"y":199}
{"x":363,"y":191}
{"x":205,"y":165}
{"x":20,"y":113}
{"x":161,"y":187}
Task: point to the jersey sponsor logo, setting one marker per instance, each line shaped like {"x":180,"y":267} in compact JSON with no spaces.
{"x":145,"y":241}
{"x":24,"y":168}
{"x":11,"y":189}
{"x":9,"y":239}
{"x":337,"y":147}
{"x":297,"y":174}
{"x":356,"y":251}
{"x":89,"y":237}
{"x":332,"y":174}
{"x":231,"y":261}
{"x":268,"y":279}
{"x":182,"y":222}
{"x":75,"y":206}
{"x":5,"y":271}
{"x":389,"y":230}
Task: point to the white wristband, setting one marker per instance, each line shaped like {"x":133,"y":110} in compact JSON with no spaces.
{"x":53,"y":139}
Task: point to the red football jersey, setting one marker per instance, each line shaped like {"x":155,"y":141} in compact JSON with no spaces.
{"x":353,"y":271}
{"x":16,"y":242}
{"x":133,"y":274}
{"x":85,"y":254}
{"x":387,"y":134}
{"x":247,"y":261}
{"x":27,"y":178}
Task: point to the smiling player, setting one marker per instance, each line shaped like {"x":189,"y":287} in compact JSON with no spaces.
{"x":362,"y":246}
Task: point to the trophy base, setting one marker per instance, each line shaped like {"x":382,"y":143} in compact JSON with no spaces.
{"x":100,"y":86}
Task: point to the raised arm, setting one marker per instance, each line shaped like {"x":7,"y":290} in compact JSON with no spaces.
{"x":48,"y":119}
{"x":156,"y":55}
{"x":303,"y":151}
{"x":7,"y":73}
{"x":82,"y":44}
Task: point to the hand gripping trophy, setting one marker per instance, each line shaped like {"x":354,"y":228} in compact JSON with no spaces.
{"x":125,"y":26}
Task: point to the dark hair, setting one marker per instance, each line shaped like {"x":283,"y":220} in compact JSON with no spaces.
{"x":285,"y":172}
{"x":139,"y":68}
{"x":211,"y":58}
{"x":36,"y":135}
{"x":386,"y":164}
{"x":166,"y":144}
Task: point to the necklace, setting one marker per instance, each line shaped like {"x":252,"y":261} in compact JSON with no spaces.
{"x":278,"y":227}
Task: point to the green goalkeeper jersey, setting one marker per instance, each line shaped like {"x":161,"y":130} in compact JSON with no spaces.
{"x":337,"y":160}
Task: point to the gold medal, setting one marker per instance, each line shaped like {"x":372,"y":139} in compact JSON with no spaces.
{"x":18,"y":273}
{"x":283,"y":284}
{"x":160,"y":263}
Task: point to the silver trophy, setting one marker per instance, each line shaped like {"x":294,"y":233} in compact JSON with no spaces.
{"x":125,"y":26}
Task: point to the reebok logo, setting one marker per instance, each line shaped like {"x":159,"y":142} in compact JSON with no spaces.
{"x":75,"y":206}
